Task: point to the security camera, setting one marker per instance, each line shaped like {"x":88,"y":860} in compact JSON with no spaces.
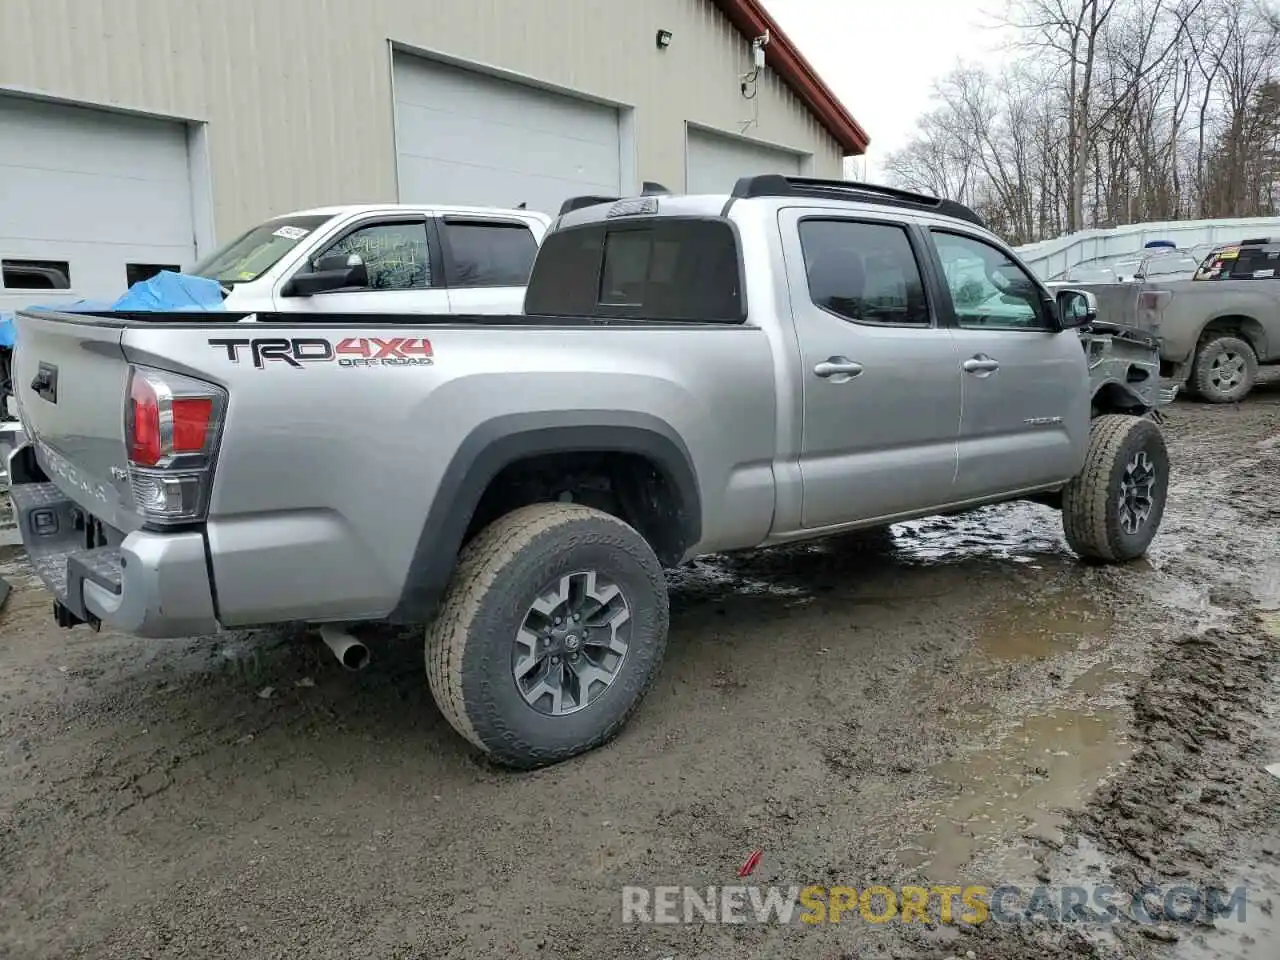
{"x":757,"y":50}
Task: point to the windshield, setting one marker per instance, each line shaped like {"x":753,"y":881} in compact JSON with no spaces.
{"x":257,"y":251}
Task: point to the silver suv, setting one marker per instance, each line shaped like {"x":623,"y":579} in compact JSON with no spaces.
{"x":690,"y":374}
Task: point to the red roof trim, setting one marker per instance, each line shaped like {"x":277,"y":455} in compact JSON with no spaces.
{"x":752,"y":20}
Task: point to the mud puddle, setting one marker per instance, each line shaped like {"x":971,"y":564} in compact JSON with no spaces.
{"x":1017,"y":787}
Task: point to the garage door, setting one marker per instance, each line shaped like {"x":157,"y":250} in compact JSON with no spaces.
{"x":469,"y":138}
{"x":714,"y":162}
{"x":89,"y":200}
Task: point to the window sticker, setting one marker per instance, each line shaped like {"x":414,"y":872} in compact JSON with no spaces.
{"x":290,"y":233}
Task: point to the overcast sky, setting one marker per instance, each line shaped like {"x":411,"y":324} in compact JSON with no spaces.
{"x":882,"y":58}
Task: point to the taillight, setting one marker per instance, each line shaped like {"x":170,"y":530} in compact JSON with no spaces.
{"x":1153,"y":301}
{"x":1150,"y":309}
{"x":172,"y":428}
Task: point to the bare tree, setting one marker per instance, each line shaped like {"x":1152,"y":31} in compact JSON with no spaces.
{"x":1116,"y":111}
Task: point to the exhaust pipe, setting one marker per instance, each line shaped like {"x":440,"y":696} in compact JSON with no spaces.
{"x":351,"y":653}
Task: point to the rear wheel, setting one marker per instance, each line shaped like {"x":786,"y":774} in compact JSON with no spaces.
{"x":1225,"y":369}
{"x":549,"y":635}
{"x":1112,"y":510}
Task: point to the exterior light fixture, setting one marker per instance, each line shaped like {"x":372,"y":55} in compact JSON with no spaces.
{"x":663,"y":39}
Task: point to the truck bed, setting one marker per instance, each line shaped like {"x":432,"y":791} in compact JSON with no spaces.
{"x":352,"y":445}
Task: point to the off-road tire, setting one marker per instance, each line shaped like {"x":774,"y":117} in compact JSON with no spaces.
{"x":1202,"y":370}
{"x":498,"y":575}
{"x":1091,"y":502}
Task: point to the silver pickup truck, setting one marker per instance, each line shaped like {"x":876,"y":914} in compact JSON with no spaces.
{"x":1217,"y":329}
{"x":690,"y":375}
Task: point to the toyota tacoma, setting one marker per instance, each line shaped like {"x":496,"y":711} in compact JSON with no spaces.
{"x":690,"y":375}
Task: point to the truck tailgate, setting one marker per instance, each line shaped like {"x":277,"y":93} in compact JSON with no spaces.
{"x":70,"y":378}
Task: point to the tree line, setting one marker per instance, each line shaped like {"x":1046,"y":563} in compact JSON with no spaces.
{"x":1110,"y":112}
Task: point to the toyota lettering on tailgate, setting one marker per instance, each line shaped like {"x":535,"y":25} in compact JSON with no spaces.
{"x":350,"y":352}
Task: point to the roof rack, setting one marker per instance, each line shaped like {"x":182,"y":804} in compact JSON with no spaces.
{"x":777,"y":185}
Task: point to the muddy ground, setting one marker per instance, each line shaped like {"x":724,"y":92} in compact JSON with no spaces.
{"x":968,"y":706}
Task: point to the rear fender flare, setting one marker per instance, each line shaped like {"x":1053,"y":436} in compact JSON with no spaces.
{"x":497,"y":443}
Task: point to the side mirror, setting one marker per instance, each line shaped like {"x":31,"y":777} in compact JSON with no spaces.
{"x":334,"y":271}
{"x":1076,"y":308}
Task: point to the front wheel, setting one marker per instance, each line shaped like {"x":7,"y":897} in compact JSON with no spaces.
{"x":550,"y":632}
{"x":1112,"y":509}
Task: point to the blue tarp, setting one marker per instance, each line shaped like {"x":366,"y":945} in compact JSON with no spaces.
{"x":165,"y":291}
{"x":172,"y":291}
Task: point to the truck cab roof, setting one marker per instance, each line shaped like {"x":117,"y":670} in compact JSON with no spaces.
{"x":353,"y":209}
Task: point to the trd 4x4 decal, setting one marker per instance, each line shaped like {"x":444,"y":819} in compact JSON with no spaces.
{"x":350,"y":352}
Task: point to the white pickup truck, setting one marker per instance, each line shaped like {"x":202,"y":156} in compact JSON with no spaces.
{"x":367,"y":258}
{"x":388,"y":258}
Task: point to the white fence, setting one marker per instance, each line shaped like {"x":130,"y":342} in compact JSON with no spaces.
{"x":1050,"y":259}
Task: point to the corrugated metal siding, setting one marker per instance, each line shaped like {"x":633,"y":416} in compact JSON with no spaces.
{"x":297,"y":93}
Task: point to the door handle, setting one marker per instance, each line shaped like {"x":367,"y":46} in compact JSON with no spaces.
{"x":841,"y":367}
{"x":981,"y":364}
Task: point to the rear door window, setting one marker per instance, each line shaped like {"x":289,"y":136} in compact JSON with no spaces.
{"x":487,"y":254}
{"x":864,"y":272}
{"x":671,"y":269}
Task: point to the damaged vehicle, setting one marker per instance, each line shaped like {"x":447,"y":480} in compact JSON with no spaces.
{"x":1216,"y":329}
{"x":1124,"y":368}
{"x":690,"y":375}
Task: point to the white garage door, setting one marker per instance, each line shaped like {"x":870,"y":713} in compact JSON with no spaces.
{"x":89,"y":199}
{"x":469,"y":138}
{"x":713,"y":162}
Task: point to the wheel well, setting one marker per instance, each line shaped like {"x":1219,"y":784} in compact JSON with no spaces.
{"x":1246,"y":328}
{"x":630,"y":486}
{"x":1113,"y":398}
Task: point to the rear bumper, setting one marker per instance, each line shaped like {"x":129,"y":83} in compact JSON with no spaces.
{"x":151,"y":585}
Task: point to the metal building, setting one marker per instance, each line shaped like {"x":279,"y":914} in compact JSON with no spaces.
{"x":139,"y":133}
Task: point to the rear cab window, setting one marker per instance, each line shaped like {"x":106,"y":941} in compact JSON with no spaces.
{"x":667,"y":268}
